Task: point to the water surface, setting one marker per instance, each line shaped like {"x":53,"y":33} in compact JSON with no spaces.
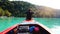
{"x":51,"y":23}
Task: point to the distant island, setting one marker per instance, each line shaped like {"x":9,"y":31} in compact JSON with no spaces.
{"x":18,"y":9}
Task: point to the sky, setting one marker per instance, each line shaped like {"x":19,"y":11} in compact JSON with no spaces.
{"x":49,"y":3}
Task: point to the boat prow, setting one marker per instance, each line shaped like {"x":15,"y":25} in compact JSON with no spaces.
{"x":28,"y":27}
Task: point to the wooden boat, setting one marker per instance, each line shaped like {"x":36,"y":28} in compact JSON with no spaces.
{"x":27,"y":27}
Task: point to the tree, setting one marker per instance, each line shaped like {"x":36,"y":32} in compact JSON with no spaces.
{"x":7,"y":13}
{"x":1,"y":12}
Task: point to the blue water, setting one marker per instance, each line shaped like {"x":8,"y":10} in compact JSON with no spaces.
{"x":51,"y":23}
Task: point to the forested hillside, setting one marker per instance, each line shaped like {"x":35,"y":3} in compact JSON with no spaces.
{"x":18,"y":9}
{"x":14,"y":8}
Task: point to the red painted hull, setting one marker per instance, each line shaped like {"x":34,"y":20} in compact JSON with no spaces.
{"x":7,"y":30}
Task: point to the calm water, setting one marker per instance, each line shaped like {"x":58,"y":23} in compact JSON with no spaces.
{"x":52,"y":23}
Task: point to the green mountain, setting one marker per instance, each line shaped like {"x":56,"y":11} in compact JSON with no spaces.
{"x":15,"y":8}
{"x":18,"y":9}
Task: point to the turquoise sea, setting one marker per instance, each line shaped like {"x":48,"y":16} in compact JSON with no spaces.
{"x":52,"y":23}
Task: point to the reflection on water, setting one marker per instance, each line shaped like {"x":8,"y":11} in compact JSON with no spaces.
{"x":56,"y":30}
